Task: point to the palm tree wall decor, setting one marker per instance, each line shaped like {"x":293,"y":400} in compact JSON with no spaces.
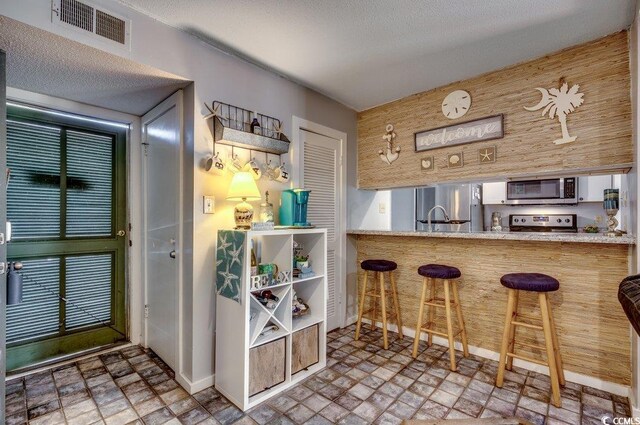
{"x":559,"y":103}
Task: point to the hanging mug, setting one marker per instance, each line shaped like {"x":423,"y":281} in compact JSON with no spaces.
{"x":234,"y":164}
{"x":215,"y":164}
{"x":282,"y":174}
{"x":254,"y":168}
{"x":272,"y":172}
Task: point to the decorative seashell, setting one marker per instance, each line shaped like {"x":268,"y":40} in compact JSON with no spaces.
{"x":454,"y":159}
{"x":389,"y":128}
{"x":426,"y":163}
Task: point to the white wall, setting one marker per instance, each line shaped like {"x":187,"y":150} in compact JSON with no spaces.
{"x":216,"y":76}
{"x":370,"y":210}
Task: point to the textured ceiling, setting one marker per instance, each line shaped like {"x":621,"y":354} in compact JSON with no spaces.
{"x":365,"y":53}
{"x":42,"y":62}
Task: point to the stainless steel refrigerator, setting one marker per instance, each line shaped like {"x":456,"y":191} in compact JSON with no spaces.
{"x":462,"y":202}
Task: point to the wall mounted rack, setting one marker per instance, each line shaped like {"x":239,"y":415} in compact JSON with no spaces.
{"x":232,"y":126}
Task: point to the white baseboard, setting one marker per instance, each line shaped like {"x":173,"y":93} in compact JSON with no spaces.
{"x":578,"y":378}
{"x":194,"y":387}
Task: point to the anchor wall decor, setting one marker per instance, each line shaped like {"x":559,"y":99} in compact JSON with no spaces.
{"x":390,"y":154}
{"x":559,"y":103}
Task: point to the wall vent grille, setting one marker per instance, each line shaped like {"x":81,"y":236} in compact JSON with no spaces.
{"x":99,"y":23}
{"x":110,"y":27}
{"x":77,"y":14}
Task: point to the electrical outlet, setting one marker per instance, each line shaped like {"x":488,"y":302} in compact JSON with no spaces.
{"x":382,"y":207}
{"x":209,"y":204}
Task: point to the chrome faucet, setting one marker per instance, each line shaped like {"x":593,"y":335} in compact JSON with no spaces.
{"x":446,"y":217}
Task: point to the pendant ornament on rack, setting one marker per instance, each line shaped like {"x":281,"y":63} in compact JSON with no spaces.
{"x":558,"y":103}
{"x":390,"y":154}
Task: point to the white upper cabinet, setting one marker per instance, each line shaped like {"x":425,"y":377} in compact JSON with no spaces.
{"x":494,"y":193}
{"x":591,"y":188}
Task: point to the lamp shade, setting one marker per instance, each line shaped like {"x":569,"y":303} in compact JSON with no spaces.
{"x":243,"y":186}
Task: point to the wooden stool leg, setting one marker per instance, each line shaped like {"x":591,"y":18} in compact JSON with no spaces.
{"x":556,"y":345}
{"x":432,"y":309}
{"x":551,"y":357}
{"x":361,"y":311}
{"x":512,"y":333}
{"x":505,"y":337}
{"x":463,"y":330}
{"x":396,"y":304}
{"x":416,"y":340}
{"x":383,"y":310}
{"x":447,"y":305}
{"x":376,"y":278}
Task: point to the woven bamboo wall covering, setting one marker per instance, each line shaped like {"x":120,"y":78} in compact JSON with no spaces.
{"x":602,"y":124}
{"x":592,"y":328}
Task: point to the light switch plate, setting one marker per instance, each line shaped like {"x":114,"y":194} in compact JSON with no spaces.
{"x":209,"y":204}
{"x":382,"y":208}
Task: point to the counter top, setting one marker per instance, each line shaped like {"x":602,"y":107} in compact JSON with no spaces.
{"x":509,"y":236}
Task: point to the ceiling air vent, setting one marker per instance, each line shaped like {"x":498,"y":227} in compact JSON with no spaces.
{"x":92,"y":21}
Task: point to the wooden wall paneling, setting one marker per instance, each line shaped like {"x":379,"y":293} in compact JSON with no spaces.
{"x":592,"y":327}
{"x":602,"y":124}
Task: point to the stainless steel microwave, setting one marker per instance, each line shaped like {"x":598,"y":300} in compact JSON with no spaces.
{"x":543,"y":191}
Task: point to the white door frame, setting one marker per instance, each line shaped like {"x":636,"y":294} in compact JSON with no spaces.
{"x":177,"y":100}
{"x":296,"y":156}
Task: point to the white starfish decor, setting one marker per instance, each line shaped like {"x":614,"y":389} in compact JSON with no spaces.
{"x":559,"y":103}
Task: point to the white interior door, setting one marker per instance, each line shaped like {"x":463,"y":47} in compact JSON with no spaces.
{"x":162,"y":142}
{"x":322,"y":174}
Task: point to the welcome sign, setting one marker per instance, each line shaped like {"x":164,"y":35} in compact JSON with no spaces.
{"x":458,"y":134}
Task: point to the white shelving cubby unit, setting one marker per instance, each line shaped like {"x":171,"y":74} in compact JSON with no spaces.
{"x":251,"y":367}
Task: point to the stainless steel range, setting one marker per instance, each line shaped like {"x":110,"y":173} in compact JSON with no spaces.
{"x":543,"y":223}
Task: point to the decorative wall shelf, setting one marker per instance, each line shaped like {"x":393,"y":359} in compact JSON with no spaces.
{"x":231,"y":126}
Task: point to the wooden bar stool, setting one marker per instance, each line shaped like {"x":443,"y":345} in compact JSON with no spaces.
{"x":540,"y":283}
{"x":380,"y":267}
{"x":448,"y":275}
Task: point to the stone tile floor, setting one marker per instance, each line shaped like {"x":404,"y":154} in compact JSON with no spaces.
{"x":361,"y":384}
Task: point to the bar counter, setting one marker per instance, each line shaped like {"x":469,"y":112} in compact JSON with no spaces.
{"x":509,"y":236}
{"x":593,"y":330}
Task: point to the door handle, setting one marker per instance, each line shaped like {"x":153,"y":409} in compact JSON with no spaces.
{"x":172,"y":254}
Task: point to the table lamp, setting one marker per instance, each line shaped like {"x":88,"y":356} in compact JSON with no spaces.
{"x":243,"y":188}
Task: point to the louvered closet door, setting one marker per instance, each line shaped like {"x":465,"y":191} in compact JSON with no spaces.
{"x":321,"y":175}
{"x":66,"y":203}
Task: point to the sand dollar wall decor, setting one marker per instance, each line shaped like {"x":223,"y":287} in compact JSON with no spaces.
{"x":456,"y":104}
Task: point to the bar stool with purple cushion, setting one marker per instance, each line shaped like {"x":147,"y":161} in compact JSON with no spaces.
{"x":448,"y":275}
{"x":542,"y":284}
{"x":379,"y":267}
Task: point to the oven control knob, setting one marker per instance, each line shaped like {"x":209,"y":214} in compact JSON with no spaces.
{"x":559,"y":220}
{"x":524,"y":219}
{"x":567,"y":220}
{"x":515,"y":220}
